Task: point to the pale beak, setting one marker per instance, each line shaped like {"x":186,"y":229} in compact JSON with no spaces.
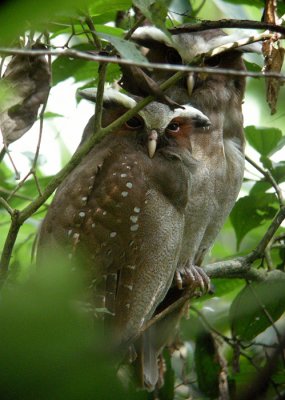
{"x":152,"y":142}
{"x":190,"y":83}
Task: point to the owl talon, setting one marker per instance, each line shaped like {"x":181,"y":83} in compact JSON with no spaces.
{"x":193,"y":276}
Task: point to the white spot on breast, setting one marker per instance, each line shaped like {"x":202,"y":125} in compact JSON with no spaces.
{"x":129,"y":185}
{"x":104,"y":212}
{"x":69,"y":232}
{"x":84,"y":198}
{"x":134,"y":228}
{"x":123,"y":175}
{"x":137,"y":210}
{"x":134,"y":218}
{"x":93,"y":225}
{"x":124,"y":194}
{"x":76,"y":236}
{"x":114,"y":173}
{"x":113,"y":234}
{"x":81,"y":214}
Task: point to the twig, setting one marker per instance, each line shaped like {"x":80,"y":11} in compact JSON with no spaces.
{"x":270,"y":319}
{"x":267,"y":174}
{"x":227,"y":23}
{"x":134,"y":27}
{"x":164,"y":67}
{"x":19,"y":196}
{"x":275,"y":224}
{"x":102,"y":71}
{"x":96,"y":40}
{"x":6,"y":206}
{"x":8,"y":246}
{"x":6,"y":151}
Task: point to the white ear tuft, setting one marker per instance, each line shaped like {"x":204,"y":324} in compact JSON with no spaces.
{"x":151,"y":34}
{"x":191,"y":112}
{"x":110,"y":97}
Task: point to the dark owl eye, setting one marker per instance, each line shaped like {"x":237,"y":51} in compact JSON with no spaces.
{"x":173,"y":127}
{"x":172,"y":57}
{"x":134,"y":123}
{"x":213,"y":61}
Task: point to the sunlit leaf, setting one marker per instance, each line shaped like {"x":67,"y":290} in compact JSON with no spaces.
{"x":265,"y":140}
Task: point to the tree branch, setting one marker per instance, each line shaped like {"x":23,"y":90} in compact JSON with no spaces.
{"x":164,"y":67}
{"x":227,"y":23}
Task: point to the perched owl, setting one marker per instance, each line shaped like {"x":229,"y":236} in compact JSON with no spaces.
{"x":120,"y":214}
{"x":220,"y":155}
{"x":220,"y":98}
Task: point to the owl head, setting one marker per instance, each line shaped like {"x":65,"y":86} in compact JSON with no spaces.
{"x":156,"y":126}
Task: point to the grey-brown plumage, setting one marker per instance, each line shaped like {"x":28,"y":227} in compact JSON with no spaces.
{"x":220,"y":155}
{"x":120,"y":213}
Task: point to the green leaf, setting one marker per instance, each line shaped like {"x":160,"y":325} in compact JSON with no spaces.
{"x":126,"y":48}
{"x":259,"y":188}
{"x":207,"y":367}
{"x":80,"y":70}
{"x":49,"y":115}
{"x":17,"y":16}
{"x":278,"y":171}
{"x":250,"y":212}
{"x":265,"y":140}
{"x":154,"y":11}
{"x":247,"y":313}
{"x":99,"y":7}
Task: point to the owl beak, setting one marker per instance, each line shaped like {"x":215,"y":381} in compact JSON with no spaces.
{"x":152,"y":142}
{"x":190,"y":83}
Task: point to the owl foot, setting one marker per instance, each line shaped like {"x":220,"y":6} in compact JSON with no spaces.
{"x":194,"y":277}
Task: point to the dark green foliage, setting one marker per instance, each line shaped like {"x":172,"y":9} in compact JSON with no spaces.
{"x":257,"y":306}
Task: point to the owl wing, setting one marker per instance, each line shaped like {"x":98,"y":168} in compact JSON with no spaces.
{"x":114,"y":217}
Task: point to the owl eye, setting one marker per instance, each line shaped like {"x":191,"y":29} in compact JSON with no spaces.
{"x":213,"y":61}
{"x":173,"y":127}
{"x":172,"y":57}
{"x":134,"y":123}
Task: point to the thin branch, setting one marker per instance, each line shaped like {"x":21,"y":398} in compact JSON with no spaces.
{"x":270,"y":319}
{"x":267,"y":174}
{"x":19,"y":196}
{"x":8,"y":246}
{"x":227,"y":23}
{"x":275,"y":224}
{"x":134,"y":27}
{"x":7,"y":207}
{"x":165,"y":67}
{"x":96,"y":40}
{"x":102,"y":71}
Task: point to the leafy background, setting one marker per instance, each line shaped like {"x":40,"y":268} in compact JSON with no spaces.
{"x":48,"y":348}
